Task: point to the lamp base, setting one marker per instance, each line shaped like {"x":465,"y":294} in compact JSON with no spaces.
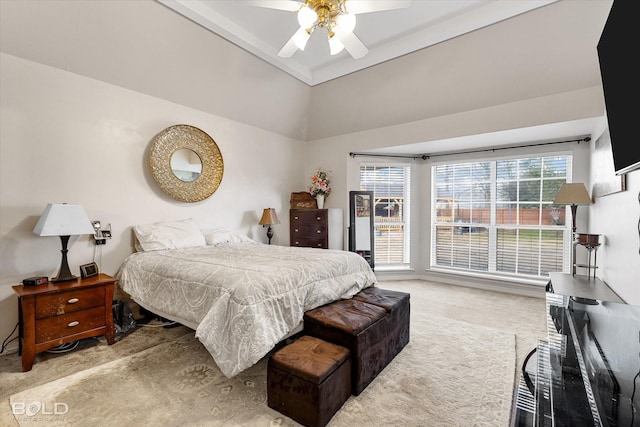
{"x":64,"y":275}
{"x":269,"y":234}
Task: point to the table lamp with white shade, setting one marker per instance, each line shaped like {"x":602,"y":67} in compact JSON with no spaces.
{"x":573,"y":194}
{"x":63,"y":220}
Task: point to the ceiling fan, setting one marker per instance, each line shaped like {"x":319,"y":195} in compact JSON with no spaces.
{"x":338,"y":17}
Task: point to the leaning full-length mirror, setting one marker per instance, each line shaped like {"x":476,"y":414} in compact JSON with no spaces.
{"x":361,"y":237}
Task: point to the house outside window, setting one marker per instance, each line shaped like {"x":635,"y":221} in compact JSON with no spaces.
{"x":390,"y":184}
{"x":497,"y":216}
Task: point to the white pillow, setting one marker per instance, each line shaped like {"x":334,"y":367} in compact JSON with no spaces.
{"x":169,"y":235}
{"x":216,"y":236}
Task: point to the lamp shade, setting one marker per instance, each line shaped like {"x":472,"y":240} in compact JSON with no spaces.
{"x":572,"y":194}
{"x":269,"y":217}
{"x":63,"y":220}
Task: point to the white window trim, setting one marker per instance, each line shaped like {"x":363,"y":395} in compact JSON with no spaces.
{"x":406,"y":264}
{"x":493,"y":228}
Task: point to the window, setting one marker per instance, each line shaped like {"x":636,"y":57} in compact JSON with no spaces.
{"x":498,"y":216}
{"x":391,"y":188}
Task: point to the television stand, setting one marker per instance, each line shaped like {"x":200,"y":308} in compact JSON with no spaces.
{"x":585,"y":371}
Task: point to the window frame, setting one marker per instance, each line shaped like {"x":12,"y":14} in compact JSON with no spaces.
{"x":493,"y":226}
{"x":405,"y":219}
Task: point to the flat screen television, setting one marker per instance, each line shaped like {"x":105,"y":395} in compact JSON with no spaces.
{"x":617,"y":51}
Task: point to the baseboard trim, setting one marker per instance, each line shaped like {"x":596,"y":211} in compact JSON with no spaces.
{"x":536,"y":290}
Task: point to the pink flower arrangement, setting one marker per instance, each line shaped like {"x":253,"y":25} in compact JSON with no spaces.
{"x":320,"y":183}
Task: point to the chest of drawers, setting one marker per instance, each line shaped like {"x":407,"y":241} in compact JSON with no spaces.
{"x":56,"y":313}
{"x":316,"y":228}
{"x":309,"y":228}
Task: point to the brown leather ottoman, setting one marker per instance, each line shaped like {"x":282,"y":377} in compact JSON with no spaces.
{"x":309,"y":380}
{"x":397,"y":305}
{"x":358,"y":326}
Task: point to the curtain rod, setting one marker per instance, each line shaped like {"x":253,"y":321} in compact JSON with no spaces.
{"x":428,"y":156}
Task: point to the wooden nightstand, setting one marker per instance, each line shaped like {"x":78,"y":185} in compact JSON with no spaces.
{"x":56,"y":313}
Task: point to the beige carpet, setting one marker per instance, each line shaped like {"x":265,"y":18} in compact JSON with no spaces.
{"x":452,"y":373}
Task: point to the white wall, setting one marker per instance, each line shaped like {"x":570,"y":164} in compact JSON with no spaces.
{"x":617,"y":217}
{"x":68,"y":138}
{"x":145,"y":46}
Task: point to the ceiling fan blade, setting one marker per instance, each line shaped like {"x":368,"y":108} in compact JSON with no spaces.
{"x":366,"y":6}
{"x":297,"y":41}
{"x":352,"y":43}
{"x":288,"y":49}
{"x":288,"y":5}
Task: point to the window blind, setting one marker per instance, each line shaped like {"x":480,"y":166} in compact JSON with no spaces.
{"x":391,"y":187}
{"x":498,"y":216}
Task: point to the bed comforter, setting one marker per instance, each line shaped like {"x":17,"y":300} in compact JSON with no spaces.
{"x":245,"y":297}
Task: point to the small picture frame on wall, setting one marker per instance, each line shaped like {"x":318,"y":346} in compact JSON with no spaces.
{"x":88,"y":270}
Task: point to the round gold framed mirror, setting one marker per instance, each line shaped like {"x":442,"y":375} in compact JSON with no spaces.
{"x":186,"y":163}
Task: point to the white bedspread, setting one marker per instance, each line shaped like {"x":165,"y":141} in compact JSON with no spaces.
{"x":245,"y":297}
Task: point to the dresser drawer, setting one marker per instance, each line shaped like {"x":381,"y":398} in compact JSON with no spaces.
{"x":69,"y":302}
{"x":309,"y":216}
{"x":309,"y":242}
{"x":69,"y":324}
{"x":311,"y":230}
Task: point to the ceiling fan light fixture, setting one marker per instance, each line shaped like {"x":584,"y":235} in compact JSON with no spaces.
{"x":346,"y":22}
{"x":337,"y":17}
{"x":335,"y":45}
{"x":307,"y":17}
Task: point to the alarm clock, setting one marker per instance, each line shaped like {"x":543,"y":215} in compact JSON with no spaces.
{"x":35,"y":281}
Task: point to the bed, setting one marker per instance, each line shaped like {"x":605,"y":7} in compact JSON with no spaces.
{"x":240,"y":296}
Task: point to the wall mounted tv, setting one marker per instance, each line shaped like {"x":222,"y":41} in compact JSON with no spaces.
{"x":620,"y":81}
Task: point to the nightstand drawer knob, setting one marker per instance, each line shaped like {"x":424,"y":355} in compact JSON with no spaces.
{"x":296,"y":230}
{"x":319,"y":231}
{"x":319,"y":218}
{"x":73,"y":301}
{"x":74,"y":323}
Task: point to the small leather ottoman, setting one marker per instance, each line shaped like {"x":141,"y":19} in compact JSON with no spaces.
{"x":309,"y":380}
{"x":358,"y":326}
{"x":397,"y":305}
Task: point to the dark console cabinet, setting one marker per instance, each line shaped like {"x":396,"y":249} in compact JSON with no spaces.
{"x":587,"y":372}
